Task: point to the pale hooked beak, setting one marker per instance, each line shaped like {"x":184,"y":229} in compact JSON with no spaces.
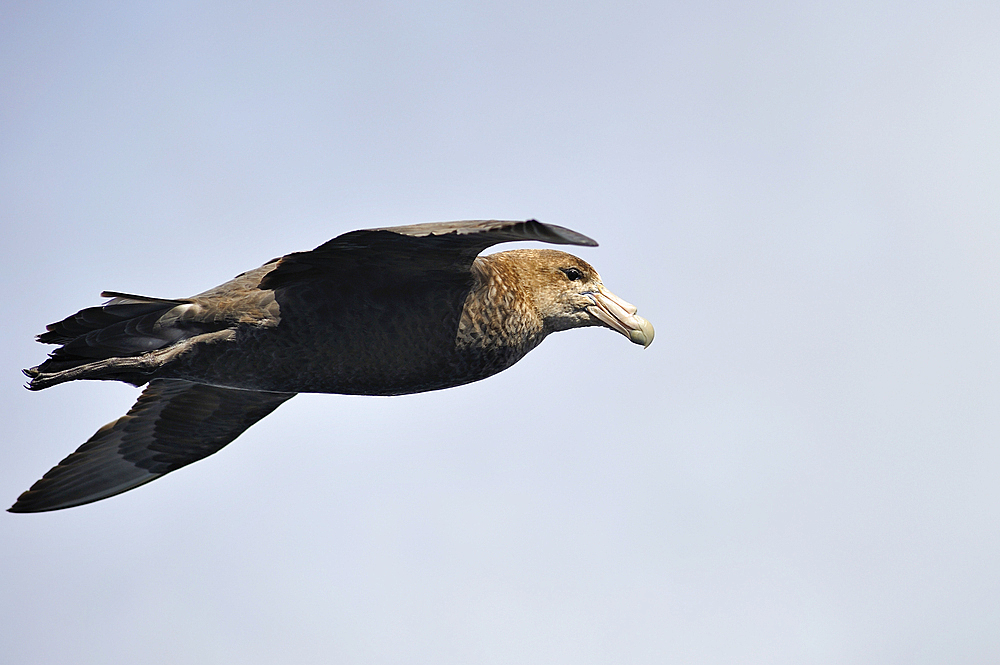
{"x":618,"y":314}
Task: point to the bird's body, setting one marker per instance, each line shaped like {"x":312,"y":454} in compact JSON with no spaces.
{"x":378,"y":312}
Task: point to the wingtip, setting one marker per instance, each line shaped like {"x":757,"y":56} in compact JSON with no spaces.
{"x":19,"y":509}
{"x":21,"y":506}
{"x":27,"y":502}
{"x":42,"y":501}
{"x":559,"y":235}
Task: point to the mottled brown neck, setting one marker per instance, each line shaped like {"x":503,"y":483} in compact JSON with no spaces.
{"x":499,"y":313}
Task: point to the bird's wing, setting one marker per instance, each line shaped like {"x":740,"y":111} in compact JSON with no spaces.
{"x":401,"y":253}
{"x":172,"y":424}
{"x":484,"y":233}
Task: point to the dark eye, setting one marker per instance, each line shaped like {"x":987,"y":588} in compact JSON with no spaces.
{"x":573,"y":274}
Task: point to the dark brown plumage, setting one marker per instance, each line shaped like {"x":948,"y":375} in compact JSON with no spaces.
{"x":374,"y":312}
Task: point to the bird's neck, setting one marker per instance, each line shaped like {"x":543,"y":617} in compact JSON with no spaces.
{"x":498,"y":316}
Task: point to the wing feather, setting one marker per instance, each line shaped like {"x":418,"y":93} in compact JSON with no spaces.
{"x":443,"y":251}
{"x":173,"y":424}
{"x":484,"y":233}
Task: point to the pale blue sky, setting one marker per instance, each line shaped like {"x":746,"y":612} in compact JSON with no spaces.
{"x":802,"y":197}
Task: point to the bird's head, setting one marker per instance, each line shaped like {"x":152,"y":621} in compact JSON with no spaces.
{"x":568,"y":293}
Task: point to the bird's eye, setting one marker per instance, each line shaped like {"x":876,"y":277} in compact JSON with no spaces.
{"x":573,"y":274}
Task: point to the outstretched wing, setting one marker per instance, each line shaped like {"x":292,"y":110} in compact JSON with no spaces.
{"x":172,"y":424}
{"x":480,"y":234}
{"x":444,"y":250}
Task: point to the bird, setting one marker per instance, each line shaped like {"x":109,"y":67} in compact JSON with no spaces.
{"x":384,"y":311}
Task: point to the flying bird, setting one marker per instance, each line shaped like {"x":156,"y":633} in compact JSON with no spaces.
{"x":387,"y":311}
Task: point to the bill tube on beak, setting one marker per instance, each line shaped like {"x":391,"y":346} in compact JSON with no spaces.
{"x":621,"y":316}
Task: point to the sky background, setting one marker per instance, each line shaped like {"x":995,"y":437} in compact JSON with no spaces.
{"x":804,"y":199}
